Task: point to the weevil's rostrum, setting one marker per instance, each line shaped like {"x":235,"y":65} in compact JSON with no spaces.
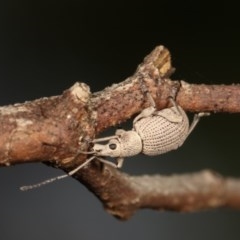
{"x":123,"y":144}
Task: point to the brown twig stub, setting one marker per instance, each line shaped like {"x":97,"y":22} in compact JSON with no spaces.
{"x":54,"y":129}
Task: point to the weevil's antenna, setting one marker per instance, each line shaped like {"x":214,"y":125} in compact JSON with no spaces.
{"x":37,"y":185}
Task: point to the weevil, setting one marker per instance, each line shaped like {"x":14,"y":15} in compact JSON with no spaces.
{"x":154,"y":132}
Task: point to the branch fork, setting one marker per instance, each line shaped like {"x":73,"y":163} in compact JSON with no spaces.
{"x":53,"y":130}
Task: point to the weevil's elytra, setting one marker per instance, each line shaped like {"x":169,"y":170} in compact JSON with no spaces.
{"x":159,"y":134}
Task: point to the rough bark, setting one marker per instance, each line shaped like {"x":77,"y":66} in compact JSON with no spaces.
{"x":54,"y":129}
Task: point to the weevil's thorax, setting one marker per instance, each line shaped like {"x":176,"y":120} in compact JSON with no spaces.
{"x":131,"y":143}
{"x":164,"y":131}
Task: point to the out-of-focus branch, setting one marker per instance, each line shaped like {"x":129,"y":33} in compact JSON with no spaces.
{"x":54,"y":129}
{"x":122,"y":194}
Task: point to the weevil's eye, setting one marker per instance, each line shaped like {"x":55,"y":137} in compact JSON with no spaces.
{"x":113,"y":146}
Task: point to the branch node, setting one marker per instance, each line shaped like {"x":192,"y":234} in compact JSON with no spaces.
{"x":80,"y":91}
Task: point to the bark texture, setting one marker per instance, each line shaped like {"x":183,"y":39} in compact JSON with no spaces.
{"x":53,"y":130}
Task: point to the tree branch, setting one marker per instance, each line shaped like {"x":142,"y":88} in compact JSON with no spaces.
{"x":54,"y":129}
{"x":122,"y":194}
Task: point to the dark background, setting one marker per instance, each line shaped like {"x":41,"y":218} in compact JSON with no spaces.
{"x":46,"y":46}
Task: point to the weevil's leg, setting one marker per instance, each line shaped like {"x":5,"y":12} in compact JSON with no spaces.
{"x":145,"y":113}
{"x":145,"y":91}
{"x":149,"y":110}
{"x":151,"y":100}
{"x":196,"y":119}
{"x":104,"y":139}
{"x":118,"y":165}
{"x":120,"y":161}
{"x":107,"y":162}
{"x":173,"y":95}
{"x":86,"y":152}
{"x":173,"y":102}
{"x":120,"y":132}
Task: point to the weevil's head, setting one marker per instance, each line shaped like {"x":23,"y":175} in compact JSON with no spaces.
{"x":125,"y":145}
{"x":110,"y":149}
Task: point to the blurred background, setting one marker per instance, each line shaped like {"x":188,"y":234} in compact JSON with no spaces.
{"x":46,"y":46}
